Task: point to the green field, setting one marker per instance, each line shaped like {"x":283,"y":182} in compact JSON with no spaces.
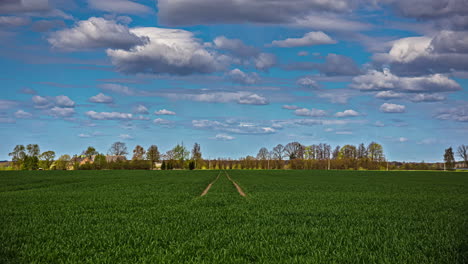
{"x":286,"y":217}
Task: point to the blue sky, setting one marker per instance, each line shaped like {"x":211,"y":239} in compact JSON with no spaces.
{"x":234,"y":76}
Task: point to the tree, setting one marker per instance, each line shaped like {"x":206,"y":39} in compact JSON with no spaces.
{"x":361,"y":151}
{"x":138,"y":153}
{"x":153,"y":154}
{"x":294,"y":150}
{"x":449,"y":159}
{"x":336,"y":153}
{"x":100,"y":162}
{"x":375,"y":152}
{"x":33,"y":150}
{"x":47,"y":159}
{"x":463,"y":153}
{"x":180,"y":153}
{"x":278,"y":152}
{"x":118,"y":149}
{"x":263,"y":154}
{"x":196,"y":154}
{"x":30,"y":163}
{"x":18,"y":155}
{"x":90,"y":152}
{"x":62,"y":162}
{"x":348,"y":152}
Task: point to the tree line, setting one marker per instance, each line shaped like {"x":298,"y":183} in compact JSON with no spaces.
{"x":293,"y":155}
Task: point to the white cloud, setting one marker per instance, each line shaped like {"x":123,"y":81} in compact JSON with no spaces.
{"x":108,"y":115}
{"x":290,"y":107}
{"x":163,"y":122}
{"x":402,"y":139}
{"x":96,"y":32}
{"x":309,"y":39}
{"x":233,"y":127}
{"x":64,"y":101}
{"x":264,"y":61}
{"x":117,"y":88}
{"x":125,"y":137}
{"x":386,"y":95}
{"x":303,"y":53}
{"x":41,"y":102}
{"x":221,"y":97}
{"x":101,"y":98}
{"x":164,"y":112}
{"x":61,"y":111}
{"x":7,"y":104}
{"x":457,"y":113}
{"x":224,"y":137}
{"x":427,"y":98}
{"x":119,"y":6}
{"x":241,"y":77}
{"x":172,"y":51}
{"x":347,"y":113}
{"x":307,"y":82}
{"x":253,"y":99}
{"x":235,"y":46}
{"x":392,"y":108}
{"x":13,"y":21}
{"x":381,"y":81}
{"x":141,"y":109}
{"x":22,"y":114}
{"x":310,"y":112}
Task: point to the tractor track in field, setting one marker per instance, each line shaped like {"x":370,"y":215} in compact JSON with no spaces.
{"x":209,"y":186}
{"x":239,"y":189}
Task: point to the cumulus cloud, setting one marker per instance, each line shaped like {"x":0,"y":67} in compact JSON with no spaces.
{"x":265,"y":61}
{"x":392,"y":108}
{"x":125,"y":137}
{"x":235,"y":46}
{"x":22,"y":6}
{"x":164,"y":112}
{"x":221,"y":97}
{"x":380,"y":81}
{"x":41,"y":102}
{"x":307,"y":82}
{"x":224,"y":137}
{"x":309,"y":39}
{"x":117,"y":88}
{"x":7,"y":104}
{"x":101,"y":98}
{"x":290,"y":107}
{"x":172,"y":51}
{"x":241,"y":77}
{"x":444,"y":52}
{"x":108,"y":115}
{"x":119,"y":6}
{"x":22,"y":114}
{"x":64,"y":101}
{"x":457,"y":113}
{"x":61,"y":112}
{"x":13,"y":21}
{"x":235,"y":127}
{"x":329,"y":22}
{"x":96,"y":32}
{"x":141,"y":109}
{"x":334,"y":65}
{"x":187,"y":12}
{"x":347,"y":113}
{"x":387,"y":95}
{"x":310,"y":112}
{"x":163,"y":122}
{"x":427,"y":98}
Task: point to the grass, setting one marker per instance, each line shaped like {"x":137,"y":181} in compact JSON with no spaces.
{"x":287,"y":217}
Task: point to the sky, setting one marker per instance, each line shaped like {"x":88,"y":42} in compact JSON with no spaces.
{"x":234,"y":75}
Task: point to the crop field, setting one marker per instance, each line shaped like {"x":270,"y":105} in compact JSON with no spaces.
{"x":284,"y":217}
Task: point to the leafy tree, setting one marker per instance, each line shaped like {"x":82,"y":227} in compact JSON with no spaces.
{"x":163,"y":165}
{"x":138,"y":153}
{"x":180,"y":153}
{"x":362,"y":151}
{"x":449,"y":158}
{"x":47,"y":158}
{"x":118,"y":149}
{"x":33,"y":150}
{"x":462,"y":152}
{"x":375,"y":152}
{"x":348,"y":152}
{"x":153,"y":154}
{"x":18,"y":155}
{"x":31,"y":163}
{"x":100,"y":162}
{"x":191,"y":165}
{"x":196,"y":154}
{"x":90,"y":152}
{"x":62,"y":162}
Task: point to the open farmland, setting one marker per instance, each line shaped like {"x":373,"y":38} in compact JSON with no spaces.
{"x":286,"y":216}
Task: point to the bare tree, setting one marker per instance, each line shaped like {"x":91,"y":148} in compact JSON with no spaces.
{"x":361,"y":151}
{"x":263,"y":154}
{"x":336,"y":153}
{"x":138,"y":153}
{"x":118,"y":149}
{"x":294,"y":150}
{"x":278,"y":152}
{"x":462,"y":152}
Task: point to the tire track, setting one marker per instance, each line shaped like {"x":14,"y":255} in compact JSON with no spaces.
{"x":209,"y":186}
{"x":239,"y":189}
